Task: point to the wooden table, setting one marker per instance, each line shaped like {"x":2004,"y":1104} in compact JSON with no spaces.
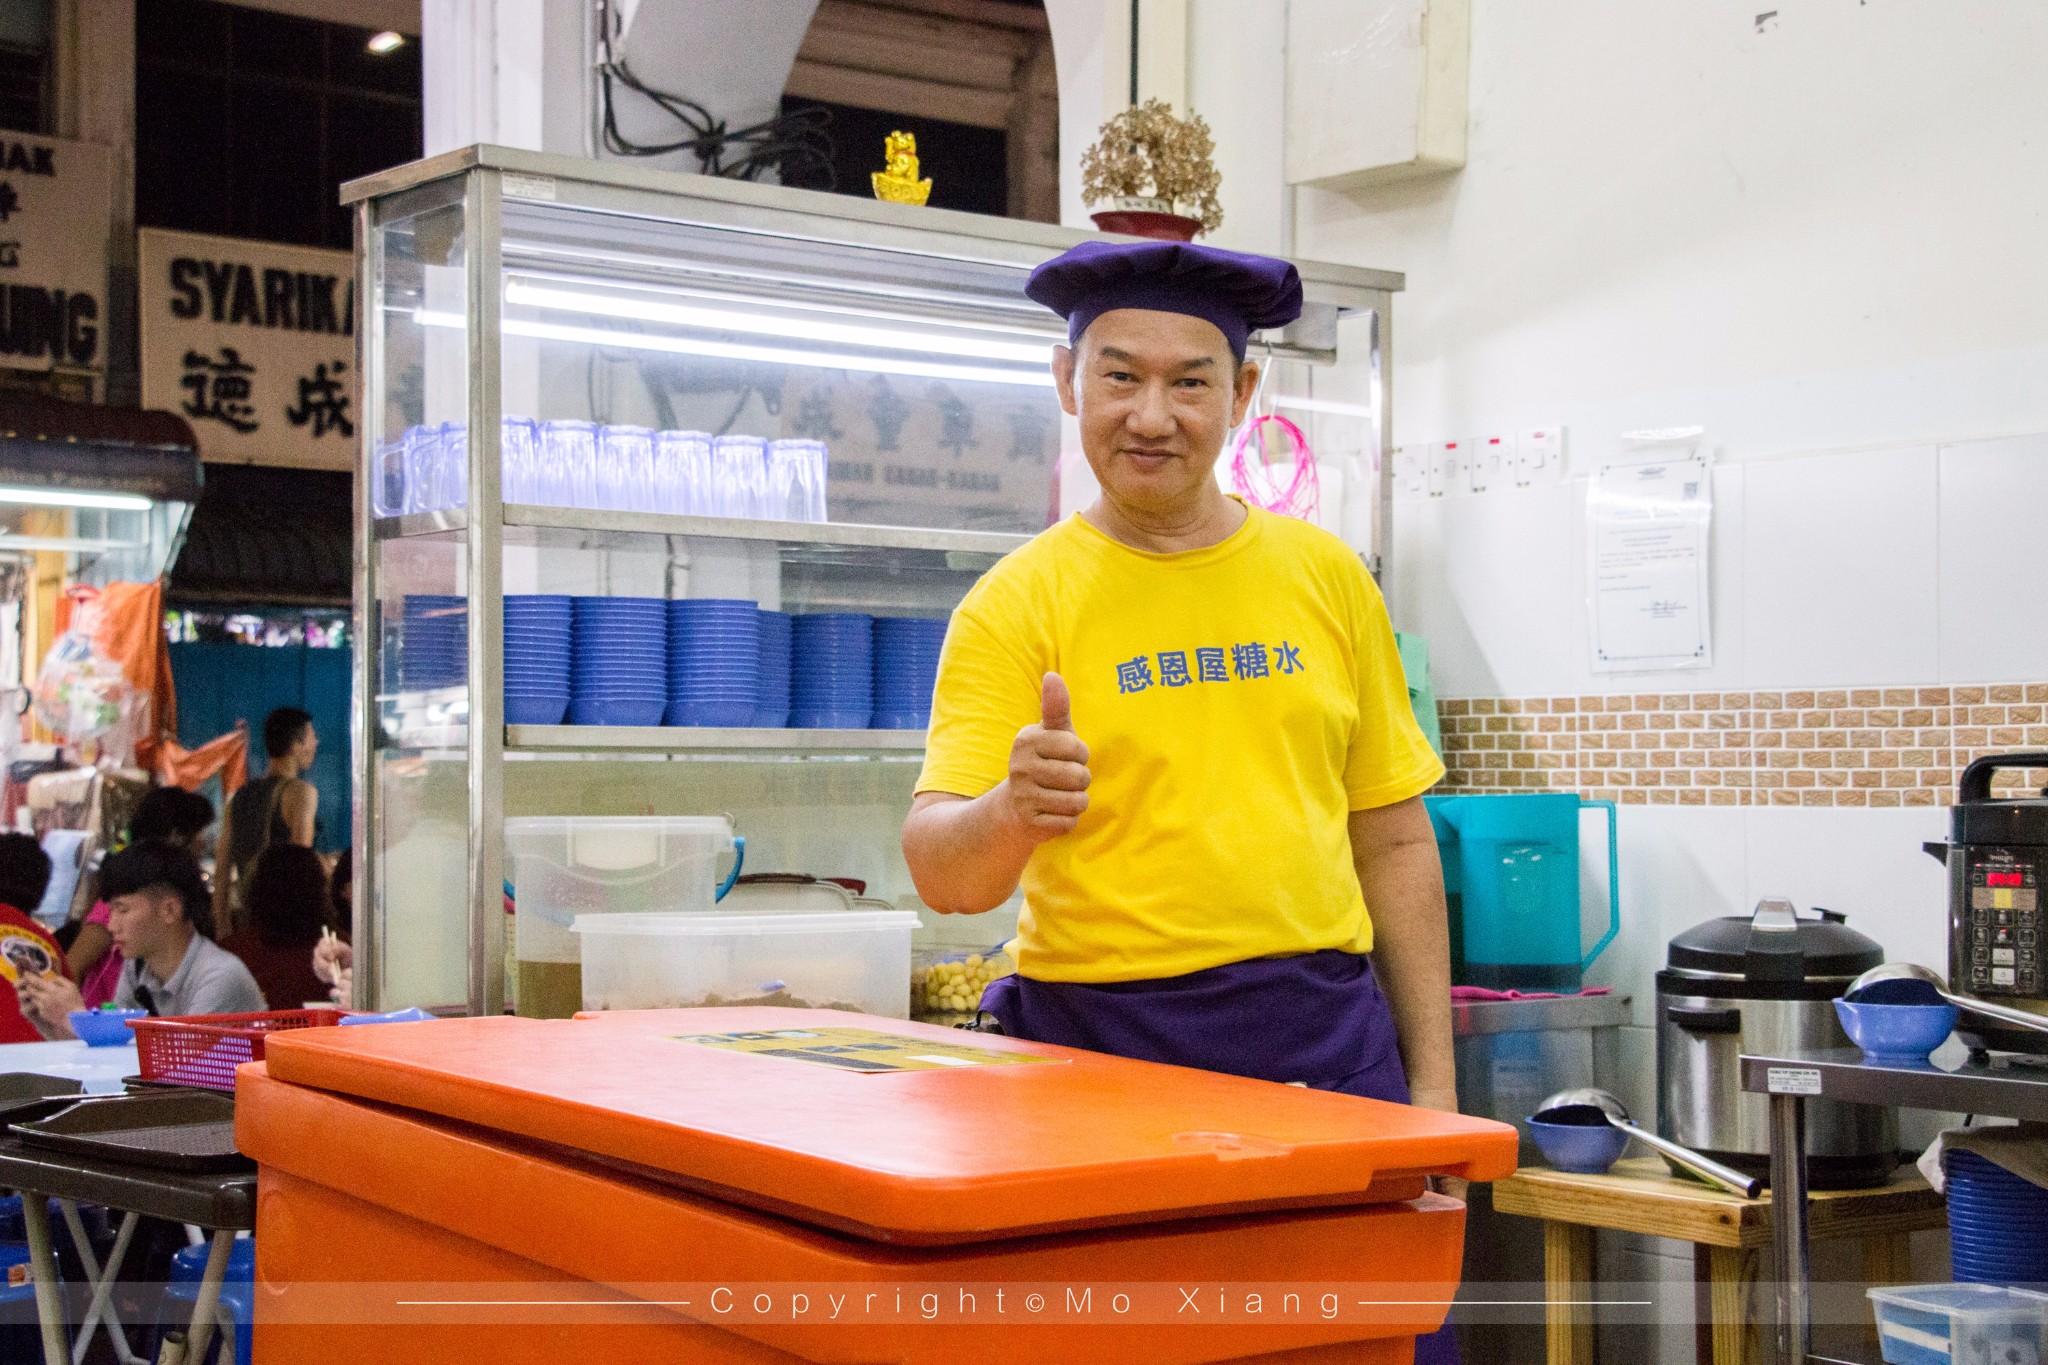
{"x":1730,"y":1232}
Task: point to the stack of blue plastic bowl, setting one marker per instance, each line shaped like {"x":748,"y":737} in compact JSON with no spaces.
{"x":435,"y":642}
{"x":1997,"y":1223}
{"x":906,"y":671}
{"x":536,"y":659}
{"x":618,"y":661}
{"x":832,"y":682}
{"x":714,"y":661}
{"x":773,"y":709}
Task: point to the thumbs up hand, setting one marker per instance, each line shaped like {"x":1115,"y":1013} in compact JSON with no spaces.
{"x":1048,"y":782}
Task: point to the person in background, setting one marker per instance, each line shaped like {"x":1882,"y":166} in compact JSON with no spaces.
{"x":285,"y":905}
{"x":160,"y":922}
{"x":341,"y":911}
{"x":26,"y":949}
{"x":168,"y":815}
{"x":277,"y":808}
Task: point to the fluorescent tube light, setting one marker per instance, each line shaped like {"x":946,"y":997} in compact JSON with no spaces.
{"x":774,"y":355}
{"x":799,"y":329}
{"x":77,"y":497}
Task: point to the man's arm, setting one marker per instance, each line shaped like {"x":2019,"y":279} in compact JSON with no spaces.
{"x":966,"y":854}
{"x":1393,"y":849}
{"x":299,"y":804}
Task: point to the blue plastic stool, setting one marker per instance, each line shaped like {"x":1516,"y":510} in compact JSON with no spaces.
{"x":237,"y":1290}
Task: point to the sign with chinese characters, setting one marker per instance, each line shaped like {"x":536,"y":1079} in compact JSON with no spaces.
{"x":924,"y":452}
{"x":56,"y":201}
{"x":254,"y":345}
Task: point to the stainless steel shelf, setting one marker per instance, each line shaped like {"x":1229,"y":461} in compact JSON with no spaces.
{"x":735,"y":743}
{"x":2004,"y":1087}
{"x":990,"y":543}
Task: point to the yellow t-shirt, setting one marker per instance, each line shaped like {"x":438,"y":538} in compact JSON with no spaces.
{"x":1237,"y":702}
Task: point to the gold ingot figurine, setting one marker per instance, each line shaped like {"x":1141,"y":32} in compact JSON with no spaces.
{"x":899,"y":183}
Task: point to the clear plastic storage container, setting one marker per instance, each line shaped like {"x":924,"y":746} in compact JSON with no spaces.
{"x":1960,"y":1324}
{"x":851,"y":960}
{"x":562,"y":866}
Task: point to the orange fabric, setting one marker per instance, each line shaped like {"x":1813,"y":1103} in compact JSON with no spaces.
{"x":125,"y":622}
{"x":442,"y":1206}
{"x":912,"y":1158}
{"x":227,"y":755}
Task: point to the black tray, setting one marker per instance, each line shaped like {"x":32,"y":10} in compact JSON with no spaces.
{"x":188,"y":1130}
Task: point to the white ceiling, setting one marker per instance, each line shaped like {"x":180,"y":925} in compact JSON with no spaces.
{"x":403,"y":15}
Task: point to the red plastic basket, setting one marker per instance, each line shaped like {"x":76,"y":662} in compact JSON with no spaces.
{"x":205,"y":1049}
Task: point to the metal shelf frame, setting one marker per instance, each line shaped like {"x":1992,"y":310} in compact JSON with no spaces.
{"x":649,"y":217}
{"x":1999,"y":1087}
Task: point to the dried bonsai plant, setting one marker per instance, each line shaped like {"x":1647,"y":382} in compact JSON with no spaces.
{"x":1147,"y":153}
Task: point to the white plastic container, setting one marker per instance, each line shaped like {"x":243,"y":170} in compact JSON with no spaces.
{"x":850,"y":959}
{"x":1960,"y":1324}
{"x":562,"y":866}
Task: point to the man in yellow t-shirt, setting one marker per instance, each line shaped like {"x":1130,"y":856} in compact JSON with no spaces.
{"x":1182,"y":724}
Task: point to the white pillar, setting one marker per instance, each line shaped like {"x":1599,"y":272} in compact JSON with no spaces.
{"x":510,"y":72}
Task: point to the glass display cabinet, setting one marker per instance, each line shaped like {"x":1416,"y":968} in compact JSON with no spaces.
{"x":591,"y":379}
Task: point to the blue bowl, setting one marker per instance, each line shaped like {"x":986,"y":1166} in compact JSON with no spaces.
{"x":900,"y":720}
{"x":105,"y":1028}
{"x":771,"y":717}
{"x":1583,"y":1149}
{"x":849,"y":718}
{"x":715,"y":714}
{"x":608,"y":711}
{"x":1896,"y":1033}
{"x":535,"y":710}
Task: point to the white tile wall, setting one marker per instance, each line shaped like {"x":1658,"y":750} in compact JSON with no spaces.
{"x":1839,"y":569}
{"x":1994,"y":560}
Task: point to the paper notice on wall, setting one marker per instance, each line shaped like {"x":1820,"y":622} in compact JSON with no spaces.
{"x":1648,"y":515}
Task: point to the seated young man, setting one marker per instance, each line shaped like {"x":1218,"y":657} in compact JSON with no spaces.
{"x":27,"y":951}
{"x":171,"y":968}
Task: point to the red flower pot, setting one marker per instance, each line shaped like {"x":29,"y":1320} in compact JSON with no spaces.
{"x":1167,"y":227}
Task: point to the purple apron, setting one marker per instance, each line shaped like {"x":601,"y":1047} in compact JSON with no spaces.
{"x":1318,"y":1018}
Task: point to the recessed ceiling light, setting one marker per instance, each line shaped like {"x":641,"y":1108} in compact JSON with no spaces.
{"x":387,"y":41}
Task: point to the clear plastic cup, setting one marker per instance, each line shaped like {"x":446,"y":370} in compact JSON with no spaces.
{"x":739,"y":470}
{"x":682,"y":467}
{"x":569,"y":451}
{"x":422,"y":469}
{"x":454,"y":464}
{"x":519,"y":459}
{"x":625,"y":468}
{"x":796,"y":480}
{"x":387,"y":491}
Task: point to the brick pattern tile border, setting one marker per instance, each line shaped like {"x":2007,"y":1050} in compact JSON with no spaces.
{"x":1858,"y":746}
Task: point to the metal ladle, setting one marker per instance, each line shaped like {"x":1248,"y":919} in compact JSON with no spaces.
{"x":1713,"y":1172}
{"x":1912,"y":971}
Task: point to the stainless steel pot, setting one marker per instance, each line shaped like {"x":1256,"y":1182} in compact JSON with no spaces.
{"x":1764,"y":985}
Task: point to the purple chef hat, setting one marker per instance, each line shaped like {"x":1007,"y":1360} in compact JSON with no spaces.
{"x":1239,"y":293}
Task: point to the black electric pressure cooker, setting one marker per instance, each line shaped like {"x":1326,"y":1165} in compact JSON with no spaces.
{"x":1997,"y":858}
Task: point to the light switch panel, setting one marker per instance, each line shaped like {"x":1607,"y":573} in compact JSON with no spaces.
{"x":1493,"y":462}
{"x":1539,"y":456}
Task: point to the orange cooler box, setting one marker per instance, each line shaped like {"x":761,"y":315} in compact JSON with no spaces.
{"x":770,"y":1185}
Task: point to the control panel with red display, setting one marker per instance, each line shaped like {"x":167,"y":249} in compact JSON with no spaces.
{"x":2002,"y":954}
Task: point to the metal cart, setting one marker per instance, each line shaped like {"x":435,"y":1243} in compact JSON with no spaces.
{"x":1996,"y":1088}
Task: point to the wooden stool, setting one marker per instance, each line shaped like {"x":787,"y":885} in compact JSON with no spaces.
{"x":1642,"y":1196}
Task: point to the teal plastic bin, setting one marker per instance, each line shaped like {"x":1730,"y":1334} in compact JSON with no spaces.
{"x":1511,"y":876}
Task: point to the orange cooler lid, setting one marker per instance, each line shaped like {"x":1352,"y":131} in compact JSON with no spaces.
{"x":975,"y":1136}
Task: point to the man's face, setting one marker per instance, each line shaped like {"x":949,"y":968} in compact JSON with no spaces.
{"x":142,"y":921}
{"x":308,"y":745}
{"x":1155,"y":394}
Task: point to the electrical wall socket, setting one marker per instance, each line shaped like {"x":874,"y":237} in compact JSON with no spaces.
{"x":1450,"y":468}
{"x":1493,"y":462}
{"x":1411,"y":471}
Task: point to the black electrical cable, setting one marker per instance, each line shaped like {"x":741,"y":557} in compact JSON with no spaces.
{"x":797,"y":144}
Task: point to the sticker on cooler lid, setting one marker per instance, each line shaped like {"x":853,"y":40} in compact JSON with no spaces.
{"x":860,"y":1049}
{"x":1792,"y":1080}
{"x":517,"y":186}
